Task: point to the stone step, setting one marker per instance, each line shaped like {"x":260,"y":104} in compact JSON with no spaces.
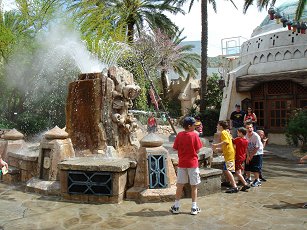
{"x":151,"y":195}
{"x":43,"y":187}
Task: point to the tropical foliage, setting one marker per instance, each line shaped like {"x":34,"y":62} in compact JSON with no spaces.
{"x":214,"y":94}
{"x":34,"y":78}
{"x":296,"y":131}
{"x":122,"y":19}
{"x":31,"y":98}
{"x":158,"y":52}
{"x":204,"y":43}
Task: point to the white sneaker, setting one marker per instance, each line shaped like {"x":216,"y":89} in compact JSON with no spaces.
{"x":174,"y":210}
{"x":194,"y":211}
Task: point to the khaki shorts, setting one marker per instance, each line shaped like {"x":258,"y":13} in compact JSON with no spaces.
{"x":188,"y":175}
{"x":229,"y":165}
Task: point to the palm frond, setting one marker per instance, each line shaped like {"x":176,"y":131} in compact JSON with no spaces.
{"x":300,"y":9}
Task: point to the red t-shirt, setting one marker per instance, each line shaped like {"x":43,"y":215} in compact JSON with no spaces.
{"x":241,"y":146}
{"x":250,"y":117}
{"x":187,"y":144}
{"x":151,"y":121}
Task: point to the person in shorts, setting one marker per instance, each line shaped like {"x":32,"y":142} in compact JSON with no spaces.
{"x":264,"y":141}
{"x":229,"y":154}
{"x":254,"y":155}
{"x":240,"y":144}
{"x":187,"y":143}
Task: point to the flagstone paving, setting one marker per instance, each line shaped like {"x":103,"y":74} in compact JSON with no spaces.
{"x":277,"y":204}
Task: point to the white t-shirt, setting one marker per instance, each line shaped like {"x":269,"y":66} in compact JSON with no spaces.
{"x":254,"y":142}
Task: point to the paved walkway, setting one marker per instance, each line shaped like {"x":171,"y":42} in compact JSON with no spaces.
{"x":275,"y":205}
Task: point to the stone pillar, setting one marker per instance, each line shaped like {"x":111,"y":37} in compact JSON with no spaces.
{"x":12,"y":141}
{"x":141,"y":191}
{"x":54,"y":148}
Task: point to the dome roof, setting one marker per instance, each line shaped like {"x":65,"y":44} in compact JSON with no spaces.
{"x":286,"y":9}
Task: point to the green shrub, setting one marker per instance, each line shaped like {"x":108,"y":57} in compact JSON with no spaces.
{"x":296,"y":130}
{"x":209,"y":120}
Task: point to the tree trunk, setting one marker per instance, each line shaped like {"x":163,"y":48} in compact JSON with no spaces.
{"x":204,"y":54}
{"x":130,"y":33}
{"x":164,"y":83}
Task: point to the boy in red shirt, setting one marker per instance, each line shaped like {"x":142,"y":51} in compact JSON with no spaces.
{"x":241,"y":146}
{"x":187,"y":143}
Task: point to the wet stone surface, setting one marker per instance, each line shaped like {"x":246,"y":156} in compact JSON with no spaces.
{"x":277,"y":204}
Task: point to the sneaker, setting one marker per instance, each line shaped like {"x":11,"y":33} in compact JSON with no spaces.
{"x":256,"y":183}
{"x":305,"y":205}
{"x":245,"y":187}
{"x":174,"y":210}
{"x":232,"y":190}
{"x":262,"y":179}
{"x":248,"y":180}
{"x":194,"y":211}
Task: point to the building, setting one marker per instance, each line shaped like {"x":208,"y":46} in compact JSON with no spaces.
{"x":270,"y":74}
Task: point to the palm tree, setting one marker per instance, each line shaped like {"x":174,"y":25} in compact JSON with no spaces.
{"x":265,"y":3}
{"x":182,"y":61}
{"x":122,"y":19}
{"x":204,"y":43}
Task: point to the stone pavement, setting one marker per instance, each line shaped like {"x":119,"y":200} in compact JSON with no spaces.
{"x":277,"y":204}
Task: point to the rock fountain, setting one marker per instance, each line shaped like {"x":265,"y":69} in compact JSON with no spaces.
{"x":98,"y":157}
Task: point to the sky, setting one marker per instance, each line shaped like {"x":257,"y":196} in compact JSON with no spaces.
{"x":226,"y":23}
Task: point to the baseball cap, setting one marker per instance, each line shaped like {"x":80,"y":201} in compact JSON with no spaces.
{"x":188,"y":121}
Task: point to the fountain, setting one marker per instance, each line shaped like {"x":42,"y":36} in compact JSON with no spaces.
{"x":97,"y":157}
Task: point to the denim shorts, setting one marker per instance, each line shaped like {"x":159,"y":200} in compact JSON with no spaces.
{"x":255,"y":165}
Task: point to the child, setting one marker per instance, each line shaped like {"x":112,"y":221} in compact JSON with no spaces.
{"x":241,"y":146}
{"x":199,"y":126}
{"x":3,"y":163}
{"x":151,"y":124}
{"x":187,"y":143}
{"x":3,"y":166}
{"x":254,"y":155}
{"x":229,"y":154}
{"x":264,"y":141}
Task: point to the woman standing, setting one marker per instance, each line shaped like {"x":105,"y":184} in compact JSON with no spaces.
{"x":250,"y":116}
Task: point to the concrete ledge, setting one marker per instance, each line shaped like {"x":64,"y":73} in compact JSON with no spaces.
{"x":95,"y":163}
{"x":210,"y":183}
{"x":142,"y":195}
{"x":207,"y":172}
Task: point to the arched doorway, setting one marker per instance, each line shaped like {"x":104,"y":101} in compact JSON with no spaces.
{"x":273,"y":102}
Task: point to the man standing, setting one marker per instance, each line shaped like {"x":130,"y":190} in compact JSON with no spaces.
{"x":236,"y":120}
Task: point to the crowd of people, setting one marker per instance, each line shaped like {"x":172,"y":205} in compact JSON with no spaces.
{"x":241,"y":146}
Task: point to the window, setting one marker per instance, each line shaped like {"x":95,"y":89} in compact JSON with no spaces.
{"x":273,"y":101}
{"x":279,"y":114}
{"x":259,"y":111}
